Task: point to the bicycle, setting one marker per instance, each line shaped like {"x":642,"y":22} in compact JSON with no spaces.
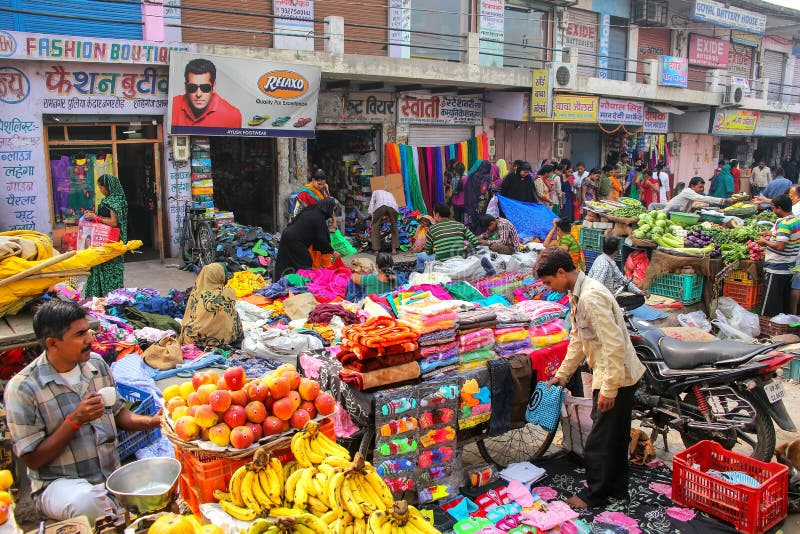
{"x":197,"y":236}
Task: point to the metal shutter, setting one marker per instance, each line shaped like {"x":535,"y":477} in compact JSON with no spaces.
{"x":772,"y":68}
{"x":6,"y":17}
{"x":419,"y":135}
{"x":617,"y":50}
{"x":740,"y":60}
{"x":122,"y":20}
{"x":653,"y":43}
{"x":373,"y":12}
{"x":196,"y":17}
{"x":586,"y":61}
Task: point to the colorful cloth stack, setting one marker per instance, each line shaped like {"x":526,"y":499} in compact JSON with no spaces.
{"x":378,"y":352}
{"x":540,"y":311}
{"x":475,"y":337}
{"x":511,"y":333}
{"x":436,"y":321}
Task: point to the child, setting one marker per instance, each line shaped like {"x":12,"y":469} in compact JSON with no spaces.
{"x":560,"y":236}
{"x":425,"y":222}
{"x":353,"y":218}
{"x":383,"y":282}
{"x":649,"y":188}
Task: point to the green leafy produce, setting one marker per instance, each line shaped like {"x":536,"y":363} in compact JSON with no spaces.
{"x":766,"y":216}
{"x":732,"y":252}
{"x":743,"y":234}
{"x":629,"y":212}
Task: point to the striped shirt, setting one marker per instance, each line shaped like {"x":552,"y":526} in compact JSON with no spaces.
{"x":786,"y":230}
{"x":506,"y":234}
{"x":38,"y":399}
{"x":447,"y":239}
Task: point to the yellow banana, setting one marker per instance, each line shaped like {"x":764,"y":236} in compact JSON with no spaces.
{"x":350,"y":503}
{"x":235,"y":486}
{"x":331,"y":516}
{"x":359,"y":527}
{"x":247,"y":492}
{"x":327,"y":470}
{"x":375,"y":522}
{"x":301,"y":529}
{"x":259,"y":526}
{"x":300,"y":493}
{"x":291,"y":484}
{"x":261,"y":491}
{"x":288,"y":468}
{"x":337,"y":461}
{"x":316,"y":506}
{"x":322,"y":491}
{"x":238,"y":512}
{"x":364,"y":502}
{"x":300,"y":450}
{"x":416,"y":520}
{"x":314,"y":457}
{"x":307,"y":481}
{"x":268,"y":479}
{"x":333,"y":448}
{"x":379,"y":487}
{"x":283,"y":511}
{"x":335,"y":490}
{"x":277,"y":468}
{"x":316,"y":524}
{"x":220,"y":495}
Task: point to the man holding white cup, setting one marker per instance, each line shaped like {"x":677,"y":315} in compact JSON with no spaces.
{"x":68,"y":456}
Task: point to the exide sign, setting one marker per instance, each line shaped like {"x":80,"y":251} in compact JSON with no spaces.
{"x":708,"y":52}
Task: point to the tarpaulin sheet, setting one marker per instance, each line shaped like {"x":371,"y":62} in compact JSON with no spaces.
{"x":532,"y":220}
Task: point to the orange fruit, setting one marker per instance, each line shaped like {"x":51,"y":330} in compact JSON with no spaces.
{"x":6,"y":480}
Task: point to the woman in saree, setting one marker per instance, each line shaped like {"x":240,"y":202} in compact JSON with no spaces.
{"x":112,"y":211}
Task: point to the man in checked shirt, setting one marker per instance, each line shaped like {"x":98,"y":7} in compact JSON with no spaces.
{"x":58,"y":424}
{"x":500,"y":235}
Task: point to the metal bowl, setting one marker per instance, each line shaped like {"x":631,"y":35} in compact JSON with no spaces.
{"x":145,"y":486}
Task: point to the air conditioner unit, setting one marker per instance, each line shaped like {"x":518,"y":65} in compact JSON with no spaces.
{"x":562,"y":76}
{"x":649,"y":12}
{"x":734,"y":94}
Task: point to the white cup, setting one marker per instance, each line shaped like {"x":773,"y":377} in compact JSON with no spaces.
{"x":109,"y":396}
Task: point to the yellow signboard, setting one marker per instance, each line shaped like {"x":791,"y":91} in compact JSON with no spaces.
{"x":573,"y":108}
{"x":540,"y":94}
{"x":735,"y":122}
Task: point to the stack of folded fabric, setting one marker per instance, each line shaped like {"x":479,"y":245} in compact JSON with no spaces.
{"x":435,"y":320}
{"x":475,"y":337}
{"x":511,"y":333}
{"x":378,"y":352}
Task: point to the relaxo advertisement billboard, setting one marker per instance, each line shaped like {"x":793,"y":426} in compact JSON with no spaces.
{"x":225,"y":96}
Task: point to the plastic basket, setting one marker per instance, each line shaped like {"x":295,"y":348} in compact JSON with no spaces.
{"x":740,"y":277}
{"x":589,"y":257}
{"x":341,"y":245}
{"x":592,"y":240}
{"x":130,"y":442}
{"x":751,"y":510}
{"x":770,"y":329}
{"x":746,"y":295}
{"x":686,"y":288}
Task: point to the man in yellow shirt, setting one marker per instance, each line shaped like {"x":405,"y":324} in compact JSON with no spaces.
{"x":599,"y":333}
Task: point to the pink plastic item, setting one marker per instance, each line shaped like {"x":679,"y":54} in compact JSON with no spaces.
{"x":681,"y":514}
{"x":618,"y":518}
{"x":663,"y":489}
{"x":520,"y":494}
{"x":545,"y":492}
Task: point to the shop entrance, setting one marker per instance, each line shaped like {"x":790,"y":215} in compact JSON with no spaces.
{"x":585,"y":147}
{"x":245,"y":179}
{"x":80,"y":153}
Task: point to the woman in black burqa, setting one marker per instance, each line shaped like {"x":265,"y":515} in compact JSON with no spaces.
{"x":310,"y":227}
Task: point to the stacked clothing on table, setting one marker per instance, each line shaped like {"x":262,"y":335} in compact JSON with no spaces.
{"x":435,"y":320}
{"x":475,"y":337}
{"x":377,"y":353}
{"x":511,"y":333}
{"x":547,"y":335}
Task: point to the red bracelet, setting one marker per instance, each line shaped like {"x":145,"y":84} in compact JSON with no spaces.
{"x":73,"y":424}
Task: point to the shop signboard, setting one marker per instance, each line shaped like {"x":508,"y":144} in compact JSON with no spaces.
{"x":794,"y":125}
{"x":492,"y":32}
{"x":772,"y":125}
{"x":744,"y":38}
{"x":294,"y":24}
{"x":734,"y":122}
{"x":444,"y":110}
{"x":250,"y":97}
{"x":708,"y":52}
{"x":39,"y":46}
{"x":574,"y":108}
{"x":400,"y":26}
{"x":581,"y":35}
{"x":740,"y":60}
{"x":356,"y":108}
{"x":655,"y":121}
{"x":541,"y":96}
{"x":604,"y":45}
{"x":510,"y":106}
{"x":673,"y":71}
{"x":612,"y":111}
{"x":720,"y":14}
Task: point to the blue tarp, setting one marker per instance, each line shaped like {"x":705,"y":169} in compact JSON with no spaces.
{"x":532,"y":220}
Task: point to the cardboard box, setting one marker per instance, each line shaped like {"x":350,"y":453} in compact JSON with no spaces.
{"x":392,"y":183}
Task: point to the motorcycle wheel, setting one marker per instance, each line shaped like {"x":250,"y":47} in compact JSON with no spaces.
{"x":759,"y":444}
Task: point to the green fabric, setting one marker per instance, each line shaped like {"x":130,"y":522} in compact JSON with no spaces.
{"x":373,"y":286}
{"x":446,"y":240}
{"x":634,"y":190}
{"x":464,"y":291}
{"x":295,"y":280}
{"x":417,"y":201}
{"x":574,"y":249}
{"x":109,"y":276}
{"x":605,"y":187}
{"x":472,"y":151}
{"x":483,"y":354}
{"x":140,"y":319}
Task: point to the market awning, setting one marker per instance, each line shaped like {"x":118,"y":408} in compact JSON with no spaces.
{"x":665,"y":108}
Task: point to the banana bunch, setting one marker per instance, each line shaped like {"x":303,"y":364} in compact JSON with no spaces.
{"x":356,"y":490}
{"x":400,"y":519}
{"x":254,"y":488}
{"x":295,"y":522}
{"x":310,"y":447}
{"x":306,"y":489}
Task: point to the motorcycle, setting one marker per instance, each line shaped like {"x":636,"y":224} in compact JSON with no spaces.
{"x":726,"y":391}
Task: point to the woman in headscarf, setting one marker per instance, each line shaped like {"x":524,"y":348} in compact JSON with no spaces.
{"x":211,"y":319}
{"x":314,"y":192}
{"x":309,"y":228}
{"x":502,"y":171}
{"x":477,"y":194}
{"x":723,"y":186}
{"x":112,"y":211}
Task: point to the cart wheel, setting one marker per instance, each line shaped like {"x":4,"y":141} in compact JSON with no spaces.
{"x":205,"y":244}
{"x":367,"y":443}
{"x":522,"y":444}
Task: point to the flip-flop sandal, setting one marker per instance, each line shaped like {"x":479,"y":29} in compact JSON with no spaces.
{"x":257,"y":120}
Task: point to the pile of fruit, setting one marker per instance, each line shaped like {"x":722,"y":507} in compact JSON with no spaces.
{"x":630,"y":211}
{"x":756,"y":251}
{"x":233,"y":411}
{"x":6,"y":501}
{"x":320,"y":491}
{"x":700,"y":239}
{"x":655,"y":226}
{"x":181,"y":524}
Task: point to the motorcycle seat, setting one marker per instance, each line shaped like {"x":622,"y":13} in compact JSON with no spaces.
{"x":688,"y":355}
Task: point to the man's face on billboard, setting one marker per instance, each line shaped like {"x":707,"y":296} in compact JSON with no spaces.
{"x":199,"y":90}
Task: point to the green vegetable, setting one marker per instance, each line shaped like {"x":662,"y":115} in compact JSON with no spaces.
{"x":732,"y":252}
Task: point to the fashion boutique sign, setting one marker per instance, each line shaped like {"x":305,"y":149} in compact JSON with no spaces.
{"x":419,"y":108}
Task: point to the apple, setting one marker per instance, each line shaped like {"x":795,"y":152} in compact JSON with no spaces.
{"x":282,"y":368}
{"x":256,"y":429}
{"x":272,"y":426}
{"x":235,"y":377}
{"x":205,"y":417}
{"x":255,"y":411}
{"x":179,"y":412}
{"x":325,"y":404}
{"x":299,"y":419}
{"x":194,"y":399}
{"x":200,"y":378}
{"x":239,"y":397}
{"x":257,"y":391}
{"x":286,"y":426}
{"x":241,"y":437}
{"x":221,"y":384}
{"x":310,"y":408}
{"x":205,"y":391}
{"x":186,"y":388}
{"x":283,"y":409}
{"x":296,"y":400}
{"x":308,"y":389}
{"x":186,"y":428}
{"x":293,"y":377}
{"x":192,"y":410}
{"x":220,"y":435}
{"x":204,"y":436}
{"x":174,"y":402}
{"x":235,"y":416}
{"x":279,"y":386}
{"x":220,"y":400}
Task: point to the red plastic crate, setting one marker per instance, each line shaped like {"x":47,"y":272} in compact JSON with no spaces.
{"x":748,"y":296}
{"x":750,"y":510}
